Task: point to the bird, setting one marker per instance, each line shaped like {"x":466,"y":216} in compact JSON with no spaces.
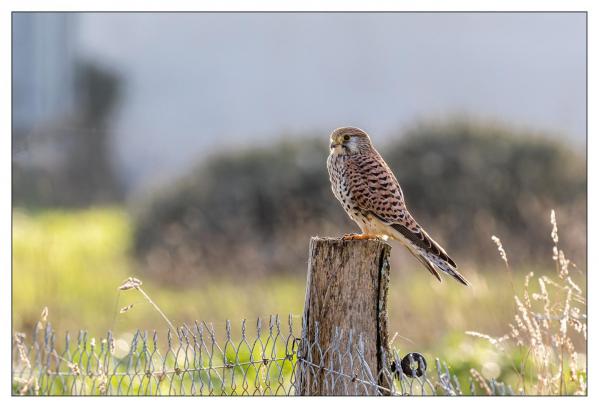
{"x":371,"y":195}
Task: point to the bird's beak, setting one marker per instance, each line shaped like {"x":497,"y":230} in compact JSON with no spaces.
{"x":333,"y":145}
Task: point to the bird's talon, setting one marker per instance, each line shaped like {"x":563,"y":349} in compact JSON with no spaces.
{"x":357,"y":237}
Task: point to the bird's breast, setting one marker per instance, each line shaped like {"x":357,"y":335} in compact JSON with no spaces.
{"x":338,"y":170}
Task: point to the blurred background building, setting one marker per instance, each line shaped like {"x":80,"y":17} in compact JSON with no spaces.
{"x":43,"y":68}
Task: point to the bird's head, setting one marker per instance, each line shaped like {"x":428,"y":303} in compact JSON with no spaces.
{"x":349,"y":140}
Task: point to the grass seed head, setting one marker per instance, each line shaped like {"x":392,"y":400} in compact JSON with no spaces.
{"x":130,"y":283}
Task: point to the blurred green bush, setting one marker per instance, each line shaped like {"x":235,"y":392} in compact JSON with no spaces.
{"x":252,"y":212}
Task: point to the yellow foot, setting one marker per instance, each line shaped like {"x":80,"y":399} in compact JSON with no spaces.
{"x":357,"y":237}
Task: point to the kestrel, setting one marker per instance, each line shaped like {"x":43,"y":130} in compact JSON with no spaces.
{"x":372,"y":197}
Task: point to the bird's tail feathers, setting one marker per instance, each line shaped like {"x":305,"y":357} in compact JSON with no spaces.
{"x":427,"y":251}
{"x":441,"y":264}
{"x":425,"y":262}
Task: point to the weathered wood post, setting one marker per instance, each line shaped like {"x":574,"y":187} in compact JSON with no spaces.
{"x":345,"y":318}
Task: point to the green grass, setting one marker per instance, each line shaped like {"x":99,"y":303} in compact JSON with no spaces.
{"x":70,"y":263}
{"x":73,"y":262}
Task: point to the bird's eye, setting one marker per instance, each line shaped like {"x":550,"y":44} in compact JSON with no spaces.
{"x":346,"y":138}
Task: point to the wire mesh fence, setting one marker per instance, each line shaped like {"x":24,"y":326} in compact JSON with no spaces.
{"x":264,"y":358}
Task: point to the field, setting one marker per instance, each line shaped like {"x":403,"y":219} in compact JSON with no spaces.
{"x":73,"y":262}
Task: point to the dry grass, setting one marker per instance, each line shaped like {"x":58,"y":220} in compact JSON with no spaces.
{"x":549,"y":321}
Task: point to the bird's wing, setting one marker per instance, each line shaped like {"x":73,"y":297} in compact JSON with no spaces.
{"x":376,"y":191}
{"x":374,"y":188}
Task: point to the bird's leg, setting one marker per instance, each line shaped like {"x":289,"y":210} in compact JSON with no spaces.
{"x":357,"y":237}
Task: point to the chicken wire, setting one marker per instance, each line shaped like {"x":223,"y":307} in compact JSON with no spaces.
{"x":264,"y":358}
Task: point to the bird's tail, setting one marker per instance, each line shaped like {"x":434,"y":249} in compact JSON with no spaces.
{"x":431,"y":268}
{"x":437,"y":262}
{"x":427,"y":251}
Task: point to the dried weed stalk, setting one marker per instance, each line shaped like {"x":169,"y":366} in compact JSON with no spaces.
{"x":547,"y":322}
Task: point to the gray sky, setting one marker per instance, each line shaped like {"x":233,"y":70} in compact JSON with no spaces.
{"x":196,"y":83}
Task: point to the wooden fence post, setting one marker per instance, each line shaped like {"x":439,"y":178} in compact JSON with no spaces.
{"x":346,"y":291}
